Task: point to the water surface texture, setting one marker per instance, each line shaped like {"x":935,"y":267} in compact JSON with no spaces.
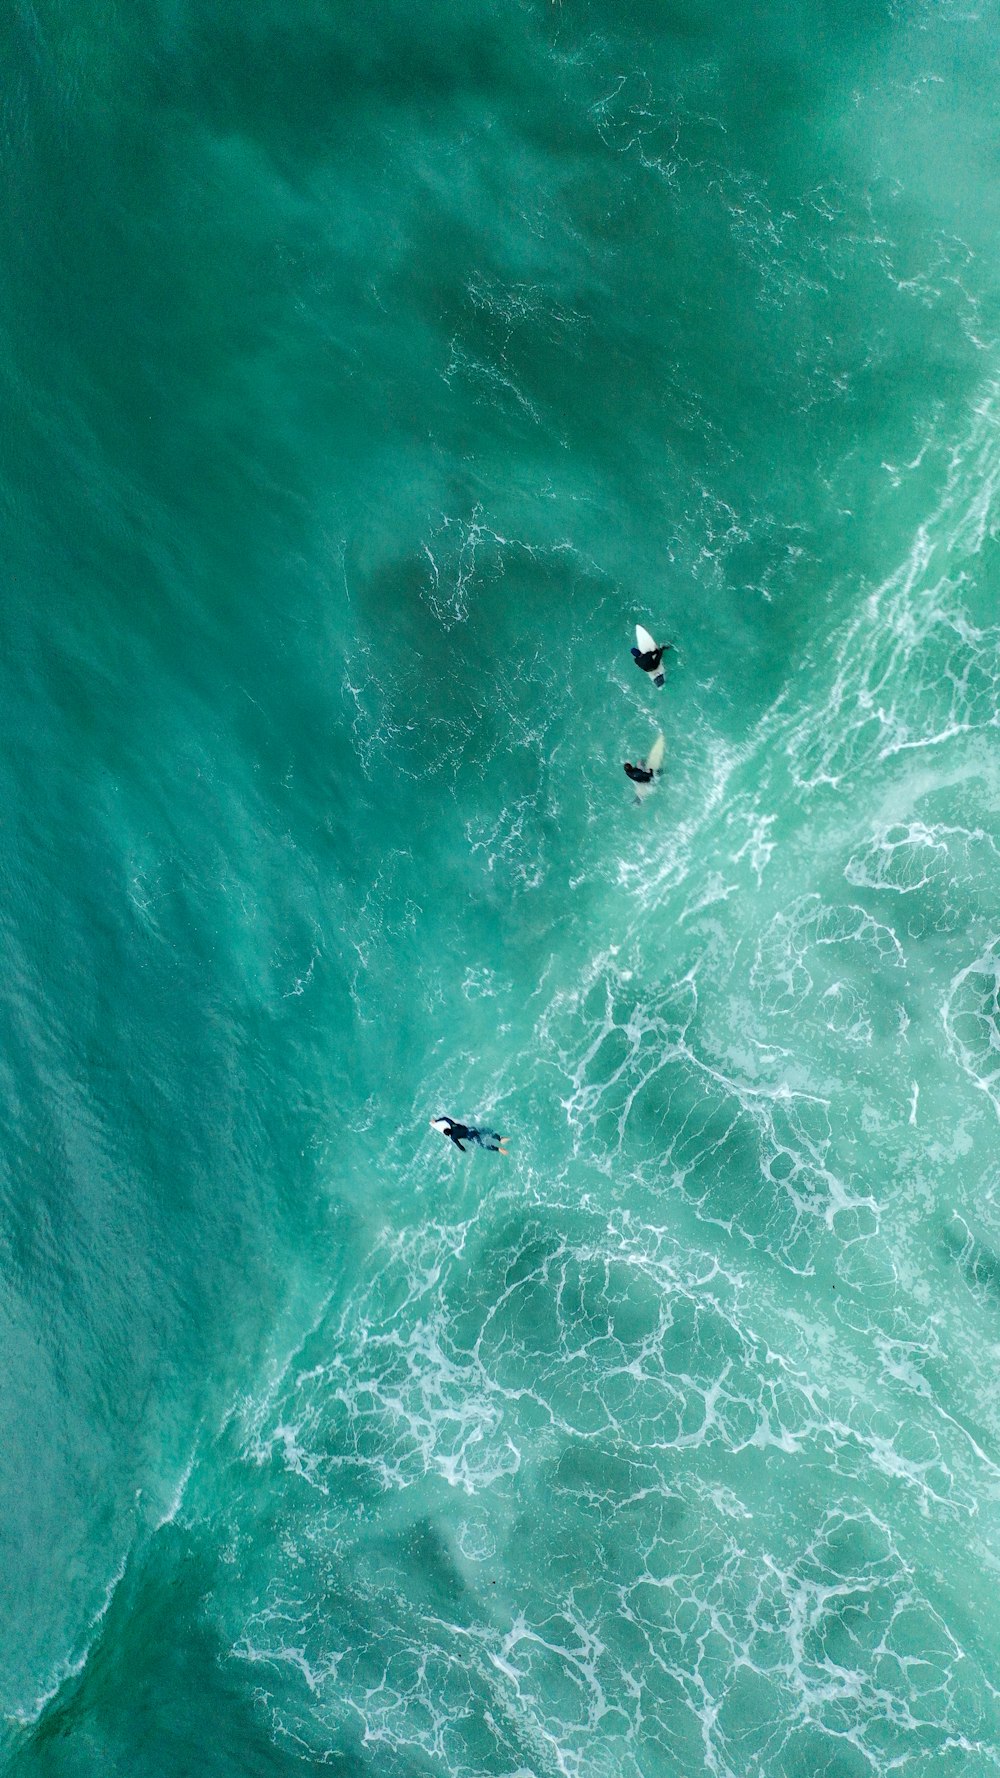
{"x":366,"y":373}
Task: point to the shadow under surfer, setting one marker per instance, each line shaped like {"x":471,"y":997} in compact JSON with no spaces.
{"x":461,"y":1133}
{"x":649,"y":661}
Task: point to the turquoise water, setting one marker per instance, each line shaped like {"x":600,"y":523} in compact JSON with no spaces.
{"x":366,"y":375}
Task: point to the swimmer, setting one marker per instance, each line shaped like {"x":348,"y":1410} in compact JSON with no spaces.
{"x":491,"y":1140}
{"x":648,"y":656}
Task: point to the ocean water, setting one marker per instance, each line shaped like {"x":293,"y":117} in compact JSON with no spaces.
{"x":367,"y":373}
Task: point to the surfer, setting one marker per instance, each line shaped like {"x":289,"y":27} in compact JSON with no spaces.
{"x":648,"y":655}
{"x":639,"y":774}
{"x":462,"y":1133}
{"x":645,"y":770}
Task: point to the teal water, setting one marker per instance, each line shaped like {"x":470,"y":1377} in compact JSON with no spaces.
{"x":365,"y":376}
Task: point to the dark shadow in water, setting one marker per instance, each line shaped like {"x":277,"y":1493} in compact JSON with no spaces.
{"x":158,"y":1693}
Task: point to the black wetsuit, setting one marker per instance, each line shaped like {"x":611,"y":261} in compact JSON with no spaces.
{"x":461,"y":1133}
{"x":639,"y":774}
{"x":651,"y":660}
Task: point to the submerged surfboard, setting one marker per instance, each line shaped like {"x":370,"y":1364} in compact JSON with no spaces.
{"x":654,"y":763}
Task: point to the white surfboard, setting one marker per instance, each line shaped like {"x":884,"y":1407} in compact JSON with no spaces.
{"x":643,"y":640}
{"x":653,"y":763}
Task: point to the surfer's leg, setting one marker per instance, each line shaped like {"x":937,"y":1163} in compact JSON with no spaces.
{"x":477,"y":1136}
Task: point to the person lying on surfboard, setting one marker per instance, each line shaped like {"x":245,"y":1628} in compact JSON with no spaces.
{"x":648,"y":655}
{"x":461,"y":1133}
{"x":643,"y":773}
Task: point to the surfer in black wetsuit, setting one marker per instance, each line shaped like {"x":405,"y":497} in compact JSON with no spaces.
{"x":639,"y":774}
{"x":649,"y":661}
{"x":645,"y":771}
{"x":461,"y":1133}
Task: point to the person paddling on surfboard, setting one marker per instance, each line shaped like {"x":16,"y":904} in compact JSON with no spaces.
{"x":643,"y":774}
{"x":461,"y":1133}
{"x":648,"y":655}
